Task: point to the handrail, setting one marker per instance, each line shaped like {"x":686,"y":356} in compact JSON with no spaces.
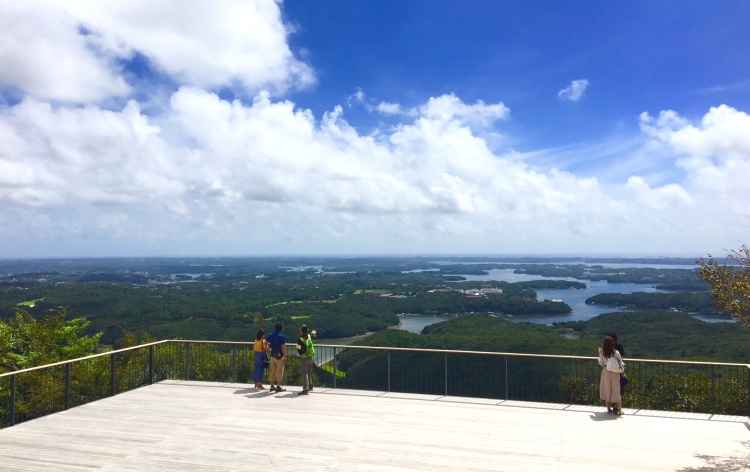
{"x":520,"y":354}
{"x":698,"y":386}
{"x":374,"y":348}
{"x":101,"y":354}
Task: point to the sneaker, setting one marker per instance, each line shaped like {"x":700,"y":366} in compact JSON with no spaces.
{"x":273,"y":389}
{"x":303,"y":392}
{"x":279,"y":389}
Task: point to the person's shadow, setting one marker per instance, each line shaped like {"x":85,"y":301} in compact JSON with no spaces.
{"x":251,"y":392}
{"x":603,"y":416}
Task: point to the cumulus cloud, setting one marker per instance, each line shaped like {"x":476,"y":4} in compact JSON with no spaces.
{"x":43,"y":53}
{"x":83,"y":175}
{"x":266,"y":168}
{"x":715,"y":155}
{"x":73,"y":51}
{"x":447,"y":107}
{"x":574,"y":91}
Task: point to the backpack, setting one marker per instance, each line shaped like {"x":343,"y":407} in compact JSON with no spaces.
{"x":305,"y":347}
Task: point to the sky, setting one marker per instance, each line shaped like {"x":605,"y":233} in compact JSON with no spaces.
{"x":260,"y":127}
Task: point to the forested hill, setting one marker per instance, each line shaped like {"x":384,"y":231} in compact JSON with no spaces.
{"x":687,"y":302}
{"x":233,"y":307}
{"x":645,"y":335}
{"x":658,"y":334}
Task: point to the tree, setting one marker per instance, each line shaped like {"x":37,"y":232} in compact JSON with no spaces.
{"x":730,"y":283}
{"x":26,"y":342}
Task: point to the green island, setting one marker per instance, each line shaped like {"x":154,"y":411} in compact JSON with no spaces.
{"x":701,"y":303}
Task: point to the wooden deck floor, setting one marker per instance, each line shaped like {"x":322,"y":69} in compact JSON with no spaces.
{"x":175,"y":425}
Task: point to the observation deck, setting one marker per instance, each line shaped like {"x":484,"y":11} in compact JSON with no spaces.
{"x":210,"y":426}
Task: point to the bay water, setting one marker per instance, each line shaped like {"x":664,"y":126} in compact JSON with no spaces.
{"x":576,"y":298}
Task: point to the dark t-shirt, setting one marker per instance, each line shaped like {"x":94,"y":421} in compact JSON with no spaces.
{"x":620,"y":349}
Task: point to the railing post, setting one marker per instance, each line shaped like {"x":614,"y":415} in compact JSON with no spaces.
{"x":234,"y":363}
{"x":506,"y":378}
{"x":67,"y":386}
{"x":12,"y":400}
{"x":713,"y":391}
{"x":112,"y":386}
{"x":570,"y":372}
{"x":187,"y":361}
{"x":335,"y":373}
{"x":389,"y":371}
{"x":150,"y":365}
{"x":446,"y":375}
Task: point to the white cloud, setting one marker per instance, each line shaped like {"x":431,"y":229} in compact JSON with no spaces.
{"x":67,"y":50}
{"x":389,"y":108}
{"x":203,"y":175}
{"x":445,"y":107}
{"x":448,"y":107}
{"x":658,"y":198}
{"x":574,"y":91}
{"x":43,"y":54}
{"x":716,"y":157}
{"x":269,"y":177}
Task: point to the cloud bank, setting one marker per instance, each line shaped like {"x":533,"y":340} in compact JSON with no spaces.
{"x":87,"y":167}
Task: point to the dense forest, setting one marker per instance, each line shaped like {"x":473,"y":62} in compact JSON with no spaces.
{"x":649,"y":334}
{"x":692,"y":303}
{"x":645,"y":335}
{"x":230,"y":298}
{"x":230,"y":301}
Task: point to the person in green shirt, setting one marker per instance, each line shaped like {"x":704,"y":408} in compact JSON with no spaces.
{"x":306,"y":351}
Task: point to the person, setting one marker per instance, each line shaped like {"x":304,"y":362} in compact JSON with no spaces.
{"x":306,"y":351}
{"x":623,"y":378}
{"x":609,"y":384}
{"x":260,"y":348}
{"x":277,"y":343}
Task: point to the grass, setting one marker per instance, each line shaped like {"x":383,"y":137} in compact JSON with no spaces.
{"x":329,"y":368}
{"x":30,"y":303}
{"x":283,"y":303}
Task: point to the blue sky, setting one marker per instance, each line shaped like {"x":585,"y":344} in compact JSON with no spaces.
{"x":442,"y":127}
{"x":637,"y":56}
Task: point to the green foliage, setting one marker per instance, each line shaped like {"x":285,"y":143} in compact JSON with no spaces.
{"x":651,"y":334}
{"x":233,"y":307}
{"x":730,"y":284}
{"x":26,"y":342}
{"x":640,"y":275}
{"x":583,"y":391}
{"x":655,"y":334}
{"x":665,"y":388}
{"x":700,"y":302}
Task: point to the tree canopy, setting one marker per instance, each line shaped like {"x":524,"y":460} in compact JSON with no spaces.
{"x":26,"y":342}
{"x":730,"y":283}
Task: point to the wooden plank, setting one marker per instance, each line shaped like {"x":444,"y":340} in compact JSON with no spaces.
{"x":175,"y":425}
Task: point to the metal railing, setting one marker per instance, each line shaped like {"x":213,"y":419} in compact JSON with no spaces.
{"x":715,"y":388}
